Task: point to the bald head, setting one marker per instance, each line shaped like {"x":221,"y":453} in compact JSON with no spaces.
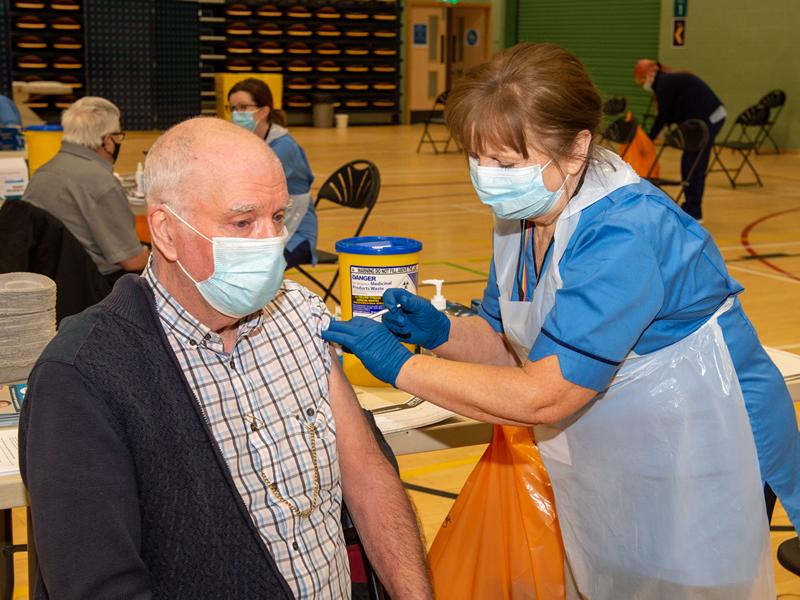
{"x":196,"y":158}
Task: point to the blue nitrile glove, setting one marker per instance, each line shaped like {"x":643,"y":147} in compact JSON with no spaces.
{"x":415,"y":321}
{"x":382,"y":354}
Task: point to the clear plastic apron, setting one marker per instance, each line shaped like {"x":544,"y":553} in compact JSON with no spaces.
{"x":298,"y":206}
{"x":656,"y":480}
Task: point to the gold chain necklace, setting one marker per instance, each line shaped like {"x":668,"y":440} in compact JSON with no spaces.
{"x":273,"y":487}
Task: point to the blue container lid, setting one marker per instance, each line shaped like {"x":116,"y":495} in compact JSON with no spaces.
{"x":45,"y":127}
{"x":378,"y":245}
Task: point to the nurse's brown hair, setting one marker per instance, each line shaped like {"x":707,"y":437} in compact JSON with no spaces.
{"x":527,"y":96}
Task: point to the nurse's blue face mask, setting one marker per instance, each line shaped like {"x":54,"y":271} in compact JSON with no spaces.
{"x":244,"y":118}
{"x":514,"y":194}
{"x":247,"y":272}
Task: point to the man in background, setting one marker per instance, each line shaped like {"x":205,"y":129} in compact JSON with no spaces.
{"x":680,"y":96}
{"x":78,"y":187}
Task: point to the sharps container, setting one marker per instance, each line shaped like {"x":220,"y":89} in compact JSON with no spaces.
{"x":368,"y":266}
{"x":43,"y":143}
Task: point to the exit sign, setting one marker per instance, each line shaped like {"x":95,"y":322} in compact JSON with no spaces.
{"x":680,"y":8}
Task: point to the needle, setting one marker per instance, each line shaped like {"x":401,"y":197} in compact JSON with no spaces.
{"x":380,"y":313}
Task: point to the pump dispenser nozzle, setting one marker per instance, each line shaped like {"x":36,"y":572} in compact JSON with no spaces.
{"x":139,"y":180}
{"x":439,"y":302}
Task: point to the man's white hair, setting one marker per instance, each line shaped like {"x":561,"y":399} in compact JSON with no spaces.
{"x":169,"y":169}
{"x":184,"y":157}
{"x":89,"y":120}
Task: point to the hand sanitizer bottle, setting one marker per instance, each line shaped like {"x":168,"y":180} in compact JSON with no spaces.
{"x":439,"y":302}
{"x":140,"y":180}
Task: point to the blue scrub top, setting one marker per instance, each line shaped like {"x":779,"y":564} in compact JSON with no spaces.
{"x":640,"y":274}
{"x":298,"y":179}
{"x":9,"y":114}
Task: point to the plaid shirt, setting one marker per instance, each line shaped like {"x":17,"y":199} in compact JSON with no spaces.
{"x":261,"y":402}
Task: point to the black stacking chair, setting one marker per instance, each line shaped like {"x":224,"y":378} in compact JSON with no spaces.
{"x":621,"y":131}
{"x":436,"y":118}
{"x":373,"y":588}
{"x":789,"y":555}
{"x":615,"y":106}
{"x":789,"y":550}
{"x":689,"y":136}
{"x":37,"y":242}
{"x":649,"y":115}
{"x":774,"y":101}
{"x":743,"y":138}
{"x":355,"y":185}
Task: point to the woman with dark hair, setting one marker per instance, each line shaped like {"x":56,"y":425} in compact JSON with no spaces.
{"x":252,"y":107}
{"x":610,"y":324}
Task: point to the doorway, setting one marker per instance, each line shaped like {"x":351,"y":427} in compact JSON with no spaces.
{"x":443,"y":41}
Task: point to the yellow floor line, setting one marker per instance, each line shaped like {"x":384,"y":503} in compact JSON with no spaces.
{"x":425,"y":263}
{"x":461,"y":462}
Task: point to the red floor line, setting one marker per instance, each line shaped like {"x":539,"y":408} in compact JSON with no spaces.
{"x":745,"y":238}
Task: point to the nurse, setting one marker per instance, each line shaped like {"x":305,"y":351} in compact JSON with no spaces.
{"x":610,"y":324}
{"x":252,"y":107}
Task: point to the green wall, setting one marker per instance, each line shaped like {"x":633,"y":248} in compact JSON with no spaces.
{"x":498,"y":25}
{"x":607,"y":35}
{"x":742,"y":49}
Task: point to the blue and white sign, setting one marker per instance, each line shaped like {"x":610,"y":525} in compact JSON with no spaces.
{"x":420,"y":35}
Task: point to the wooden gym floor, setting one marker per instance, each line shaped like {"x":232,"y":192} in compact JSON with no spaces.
{"x":430,"y":198}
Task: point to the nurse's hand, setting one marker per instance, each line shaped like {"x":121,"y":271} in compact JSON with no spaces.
{"x":372,"y":343}
{"x":414,"y":320}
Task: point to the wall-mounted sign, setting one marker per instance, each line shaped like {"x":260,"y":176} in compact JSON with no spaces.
{"x":471,"y":37}
{"x":420,"y":35}
{"x":680,"y":9}
{"x":679,"y":33}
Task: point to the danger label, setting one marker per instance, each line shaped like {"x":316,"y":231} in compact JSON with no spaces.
{"x":367,"y":285}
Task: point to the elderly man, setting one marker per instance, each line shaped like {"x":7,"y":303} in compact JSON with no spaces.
{"x":192,"y":436}
{"x":78,"y":187}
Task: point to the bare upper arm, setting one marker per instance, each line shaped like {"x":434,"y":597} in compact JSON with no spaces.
{"x":555,"y":397}
{"x":355,"y":441}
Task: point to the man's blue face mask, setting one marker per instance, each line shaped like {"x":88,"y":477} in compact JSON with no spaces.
{"x":514,"y":194}
{"x":247,"y":272}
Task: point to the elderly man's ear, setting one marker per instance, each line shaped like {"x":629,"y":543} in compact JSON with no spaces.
{"x":162,"y":230}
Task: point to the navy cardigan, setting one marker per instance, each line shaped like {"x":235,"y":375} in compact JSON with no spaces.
{"x":130,"y":495}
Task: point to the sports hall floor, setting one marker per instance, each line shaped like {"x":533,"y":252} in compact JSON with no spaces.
{"x":430,"y":198}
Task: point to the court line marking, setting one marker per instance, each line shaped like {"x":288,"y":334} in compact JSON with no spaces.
{"x":762,"y":274}
{"x":470,"y":459}
{"x":761,"y":245}
{"x":745,"y":238}
{"x":393,"y":208}
{"x":425,"y":183}
{"x":424,"y":263}
{"x":429,"y":490}
{"x":467,"y":269}
{"x":786,"y":347}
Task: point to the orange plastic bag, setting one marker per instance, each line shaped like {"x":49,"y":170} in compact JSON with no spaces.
{"x":501,"y":540}
{"x":642,"y":153}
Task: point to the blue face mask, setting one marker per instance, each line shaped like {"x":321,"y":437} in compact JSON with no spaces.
{"x":514,"y":194}
{"x":247,"y":272}
{"x":245,"y":119}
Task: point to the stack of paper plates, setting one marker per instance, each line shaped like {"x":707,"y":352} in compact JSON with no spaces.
{"x":27,"y":322}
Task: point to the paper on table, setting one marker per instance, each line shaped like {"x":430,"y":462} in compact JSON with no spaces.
{"x":410,"y":413}
{"x":9,"y":451}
